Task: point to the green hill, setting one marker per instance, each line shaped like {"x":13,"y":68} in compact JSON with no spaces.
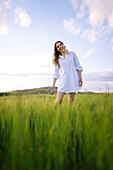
{"x":35,"y":91}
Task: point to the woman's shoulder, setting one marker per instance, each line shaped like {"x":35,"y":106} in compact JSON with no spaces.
{"x":71,"y":53}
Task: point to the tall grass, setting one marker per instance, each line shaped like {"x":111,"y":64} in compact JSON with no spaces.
{"x":36,"y":134}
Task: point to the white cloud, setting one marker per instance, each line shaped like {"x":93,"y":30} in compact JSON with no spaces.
{"x":98,"y":12}
{"x":97,"y":86}
{"x":4,"y":29}
{"x":106,"y":76}
{"x":82,"y":10}
{"x":98,"y":17}
{"x":112,"y":49}
{"x":75,"y":3}
{"x":5,"y":17}
{"x":111,"y":40}
{"x":88,"y":53}
{"x":110,"y":20}
{"x":90,"y":35}
{"x":22,"y":17}
{"x":71,"y":26}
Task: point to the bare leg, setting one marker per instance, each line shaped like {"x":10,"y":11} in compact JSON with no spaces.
{"x":71,"y":98}
{"x":59,"y":97}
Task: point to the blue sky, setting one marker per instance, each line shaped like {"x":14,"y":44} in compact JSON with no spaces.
{"x":29,"y":29}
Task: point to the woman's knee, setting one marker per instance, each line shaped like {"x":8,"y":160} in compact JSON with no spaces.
{"x":60,"y":96}
{"x":58,"y":101}
{"x":71,"y":97}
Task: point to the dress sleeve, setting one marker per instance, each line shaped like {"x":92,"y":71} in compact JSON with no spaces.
{"x":77,"y":63}
{"x":56,"y":72}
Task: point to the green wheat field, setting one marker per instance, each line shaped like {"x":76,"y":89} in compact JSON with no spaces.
{"x":35,"y":134}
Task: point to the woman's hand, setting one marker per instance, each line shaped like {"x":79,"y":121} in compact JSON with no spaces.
{"x":80,"y":81}
{"x":52,"y":89}
{"x":53,"y":86}
{"x":80,"y":78}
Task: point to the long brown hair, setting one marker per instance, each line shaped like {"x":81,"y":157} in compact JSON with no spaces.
{"x":56,"y":54}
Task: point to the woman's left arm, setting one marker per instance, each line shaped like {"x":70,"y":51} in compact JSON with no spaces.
{"x":79,"y":69}
{"x":80,"y":77}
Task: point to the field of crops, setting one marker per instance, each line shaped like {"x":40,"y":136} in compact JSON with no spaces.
{"x":35,"y":134}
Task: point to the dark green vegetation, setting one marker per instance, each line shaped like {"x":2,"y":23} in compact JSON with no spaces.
{"x":35,"y":91}
{"x":37,"y":135}
{"x":41,"y":90}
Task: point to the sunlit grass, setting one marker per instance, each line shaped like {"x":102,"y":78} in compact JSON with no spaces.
{"x":36,"y":134}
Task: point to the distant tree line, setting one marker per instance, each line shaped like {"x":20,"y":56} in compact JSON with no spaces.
{"x":4,"y":94}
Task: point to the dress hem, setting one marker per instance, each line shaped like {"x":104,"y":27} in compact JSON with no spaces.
{"x":68,"y":92}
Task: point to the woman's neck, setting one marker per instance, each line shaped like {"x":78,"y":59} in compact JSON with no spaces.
{"x":64,"y":53}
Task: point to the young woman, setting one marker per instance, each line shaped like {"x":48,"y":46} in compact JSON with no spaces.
{"x":68,"y":71}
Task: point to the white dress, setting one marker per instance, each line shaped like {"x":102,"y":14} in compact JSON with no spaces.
{"x":67,"y":74}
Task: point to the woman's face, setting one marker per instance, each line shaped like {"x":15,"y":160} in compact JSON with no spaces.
{"x":60,"y":47}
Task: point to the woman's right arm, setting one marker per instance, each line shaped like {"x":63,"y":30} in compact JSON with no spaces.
{"x":55,"y":77}
{"x":54,"y":82}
